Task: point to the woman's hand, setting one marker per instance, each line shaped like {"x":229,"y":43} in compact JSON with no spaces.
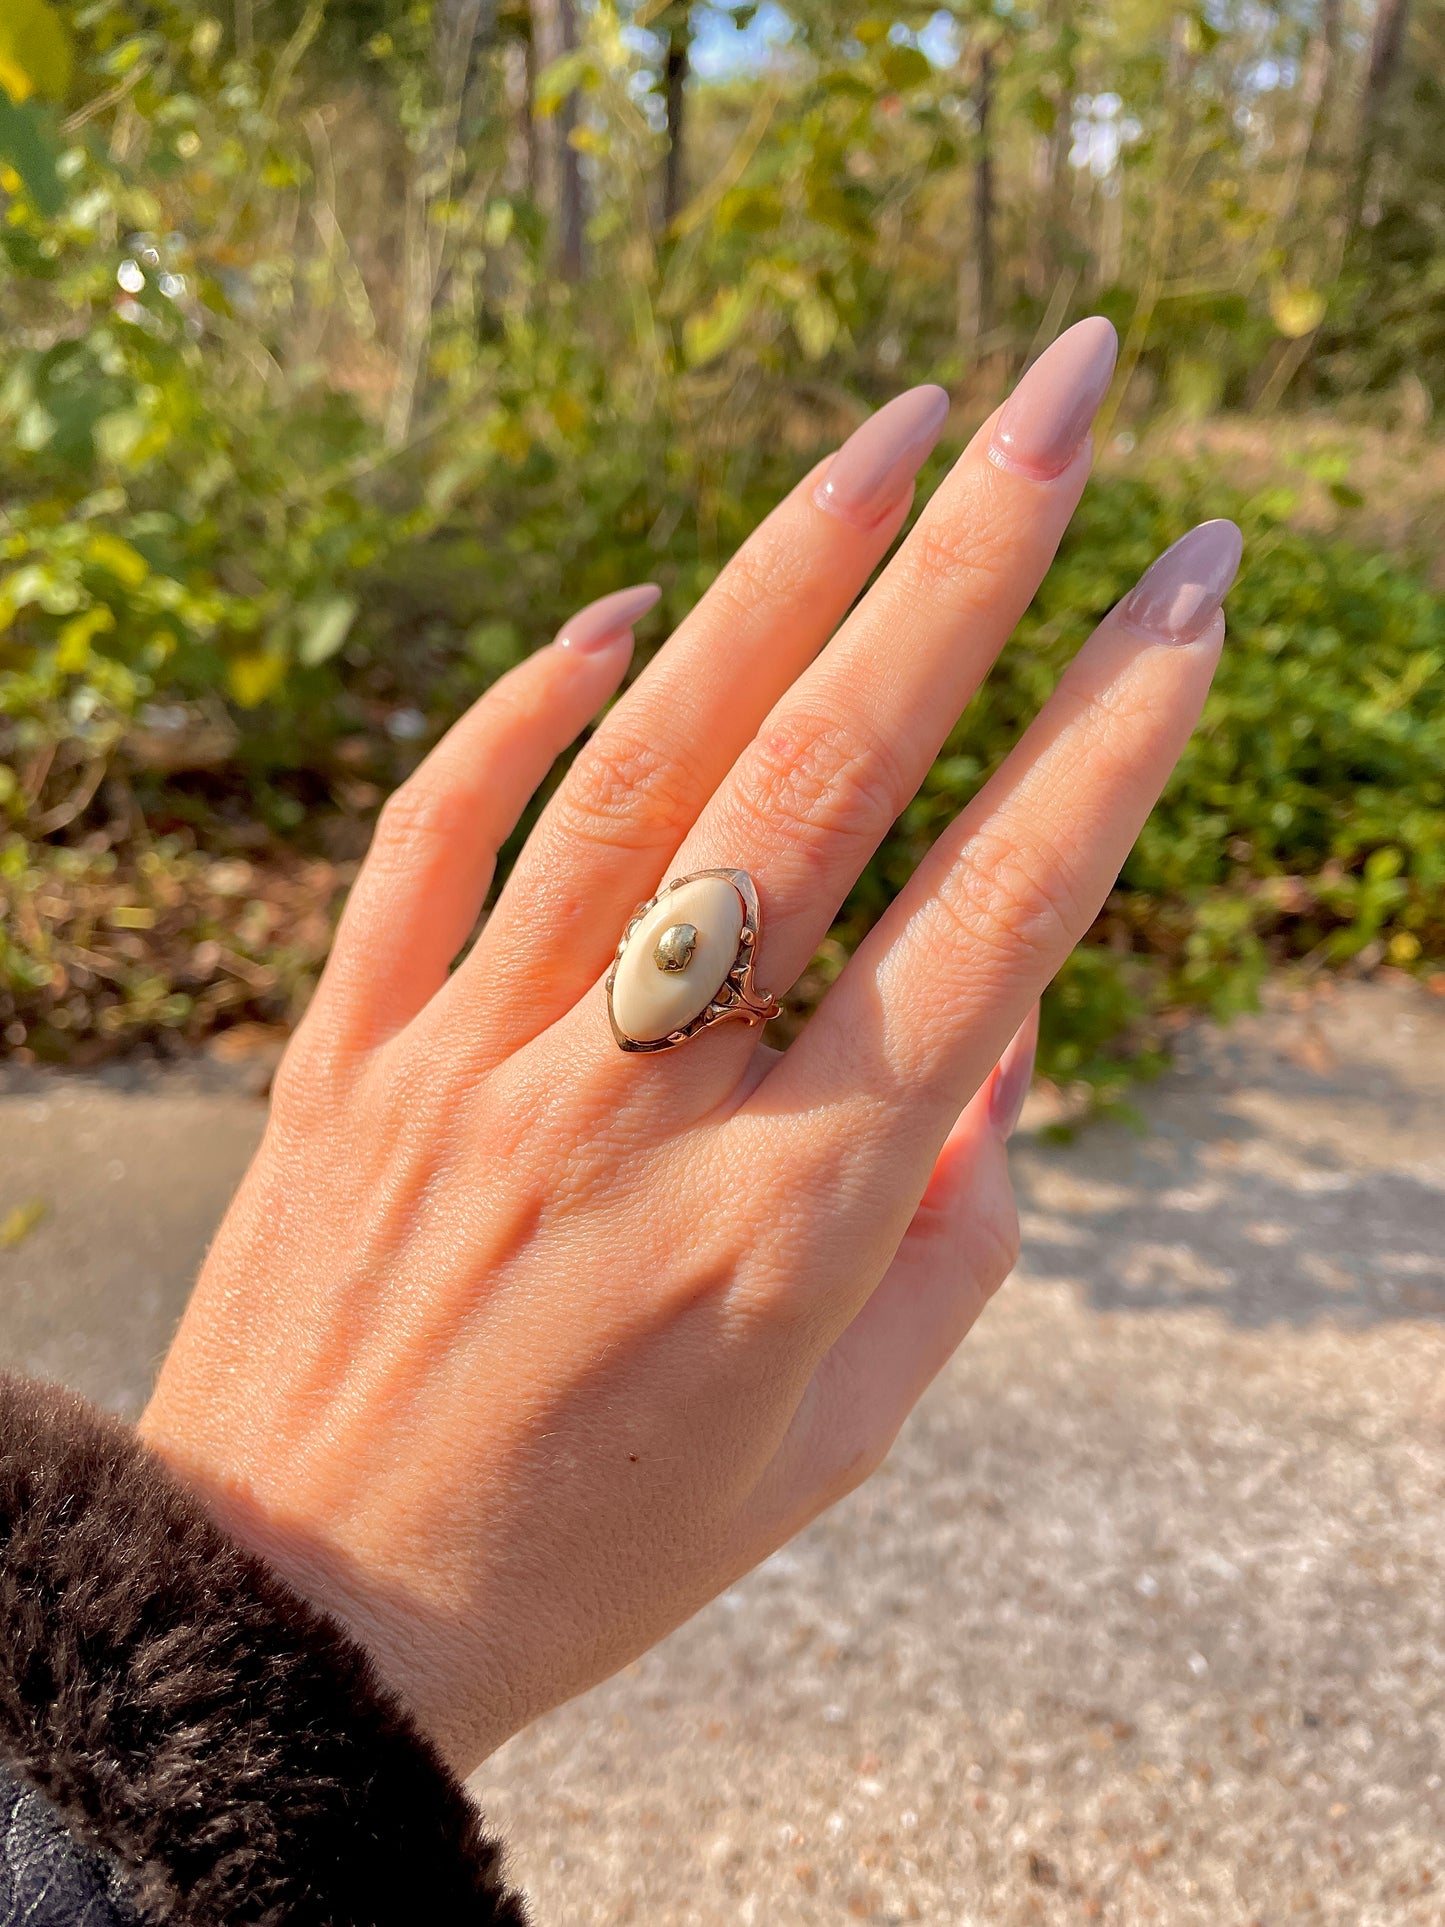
{"x":515,"y":1348}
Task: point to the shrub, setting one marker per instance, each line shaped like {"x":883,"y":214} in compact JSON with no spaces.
{"x":226,"y":567}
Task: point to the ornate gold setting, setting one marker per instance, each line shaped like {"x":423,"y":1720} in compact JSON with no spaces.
{"x":735,"y":996}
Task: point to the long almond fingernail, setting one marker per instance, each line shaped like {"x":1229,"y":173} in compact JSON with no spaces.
{"x":1046,"y":418}
{"x":878,"y":461}
{"x":610,"y":617}
{"x":1178,"y":596}
{"x":1014,"y":1075}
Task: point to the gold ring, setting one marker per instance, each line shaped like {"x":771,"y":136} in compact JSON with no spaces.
{"x":686,"y":961}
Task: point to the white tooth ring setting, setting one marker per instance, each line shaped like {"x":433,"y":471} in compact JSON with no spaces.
{"x":686,"y":961}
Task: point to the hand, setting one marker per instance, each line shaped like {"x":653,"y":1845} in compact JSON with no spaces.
{"x":514,"y":1349}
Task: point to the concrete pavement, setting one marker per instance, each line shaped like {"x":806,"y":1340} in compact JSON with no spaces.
{"x":1144,"y":1619}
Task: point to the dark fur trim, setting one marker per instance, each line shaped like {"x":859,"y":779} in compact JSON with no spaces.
{"x":229,"y":1746}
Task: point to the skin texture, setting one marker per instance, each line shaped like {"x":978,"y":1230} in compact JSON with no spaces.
{"x":515,"y":1349}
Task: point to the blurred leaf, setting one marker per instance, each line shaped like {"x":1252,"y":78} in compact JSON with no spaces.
{"x":35,"y":51}
{"x":323,"y":624}
{"x":905,"y":67}
{"x":815,"y":321}
{"x":1296,"y":311}
{"x":72,"y":644}
{"x":27,"y":146}
{"x":254,"y":677}
{"x":563,"y":77}
{"x":117,"y":558}
{"x":1196,"y":385}
{"x":706,"y":335}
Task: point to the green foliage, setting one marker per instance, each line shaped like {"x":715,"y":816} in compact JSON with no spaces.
{"x":178,"y":511}
{"x":302,"y":434}
{"x":1306,"y":819}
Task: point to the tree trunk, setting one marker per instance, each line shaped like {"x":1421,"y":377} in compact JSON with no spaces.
{"x":1318,"y":70}
{"x":554,"y":33}
{"x":519,"y":84}
{"x":985,"y":266}
{"x":1319,"y":82}
{"x":675,"y":88}
{"x":460,"y":27}
{"x":1310,"y":223}
{"x":1052,"y":250}
{"x":1061,"y":180}
{"x":1170,"y":189}
{"x":1386,"y":45}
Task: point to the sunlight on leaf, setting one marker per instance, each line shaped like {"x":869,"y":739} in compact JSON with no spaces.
{"x":1296,"y":311}
{"x":706,"y":335}
{"x":28,"y":151}
{"x":323,"y":625}
{"x":35,"y":55}
{"x":254,"y":677}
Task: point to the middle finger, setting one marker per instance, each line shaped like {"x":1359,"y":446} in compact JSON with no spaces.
{"x":632,"y":793}
{"x":842,"y":753}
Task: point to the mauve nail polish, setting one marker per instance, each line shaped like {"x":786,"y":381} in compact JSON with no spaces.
{"x":1178,"y":596}
{"x":603,"y":621}
{"x":878,"y":461}
{"x":1046,"y":418}
{"x":1015,"y":1074}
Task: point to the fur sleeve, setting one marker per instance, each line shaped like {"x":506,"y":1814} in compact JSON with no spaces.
{"x":226,"y":1747}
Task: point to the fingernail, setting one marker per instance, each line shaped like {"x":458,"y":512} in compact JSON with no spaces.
{"x":1046,"y":418}
{"x":878,"y":461}
{"x":603,"y":621}
{"x":1014,"y":1075}
{"x":1178,"y":596}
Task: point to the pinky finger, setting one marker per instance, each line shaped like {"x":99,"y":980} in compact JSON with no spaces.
{"x":432,"y":858}
{"x":961,"y":1245}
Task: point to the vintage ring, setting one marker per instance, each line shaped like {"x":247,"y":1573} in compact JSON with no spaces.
{"x":686,"y":961}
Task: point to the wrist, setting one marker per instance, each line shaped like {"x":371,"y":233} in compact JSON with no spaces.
{"x":185,"y":1660}
{"x":431,"y":1659}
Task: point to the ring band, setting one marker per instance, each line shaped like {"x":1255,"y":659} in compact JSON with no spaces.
{"x":686,"y":962}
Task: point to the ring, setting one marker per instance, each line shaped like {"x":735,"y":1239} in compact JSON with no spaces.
{"x":686,"y":961}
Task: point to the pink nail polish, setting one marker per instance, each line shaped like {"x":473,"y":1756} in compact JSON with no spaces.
{"x":879,"y":460}
{"x":1014,"y":1075}
{"x":1178,"y":596}
{"x":604,"y":621}
{"x":1046,"y":418}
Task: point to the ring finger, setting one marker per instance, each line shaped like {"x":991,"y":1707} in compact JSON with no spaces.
{"x":842,"y":753}
{"x":633,"y":791}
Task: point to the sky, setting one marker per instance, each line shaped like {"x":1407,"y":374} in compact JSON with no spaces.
{"x":720,"y":50}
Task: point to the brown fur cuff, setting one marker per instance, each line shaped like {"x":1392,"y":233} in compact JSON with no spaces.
{"x":228,"y":1748}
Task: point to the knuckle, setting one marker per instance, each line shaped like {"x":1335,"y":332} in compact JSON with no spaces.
{"x":1008,"y":898}
{"x":292,"y":1081}
{"x":819,"y":781}
{"x":513,"y":704}
{"x":314,"y":1071}
{"x":1108,"y":713}
{"x":626,"y":792}
{"x":758,"y":582}
{"x":966,"y":561}
{"x":416,"y":816}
